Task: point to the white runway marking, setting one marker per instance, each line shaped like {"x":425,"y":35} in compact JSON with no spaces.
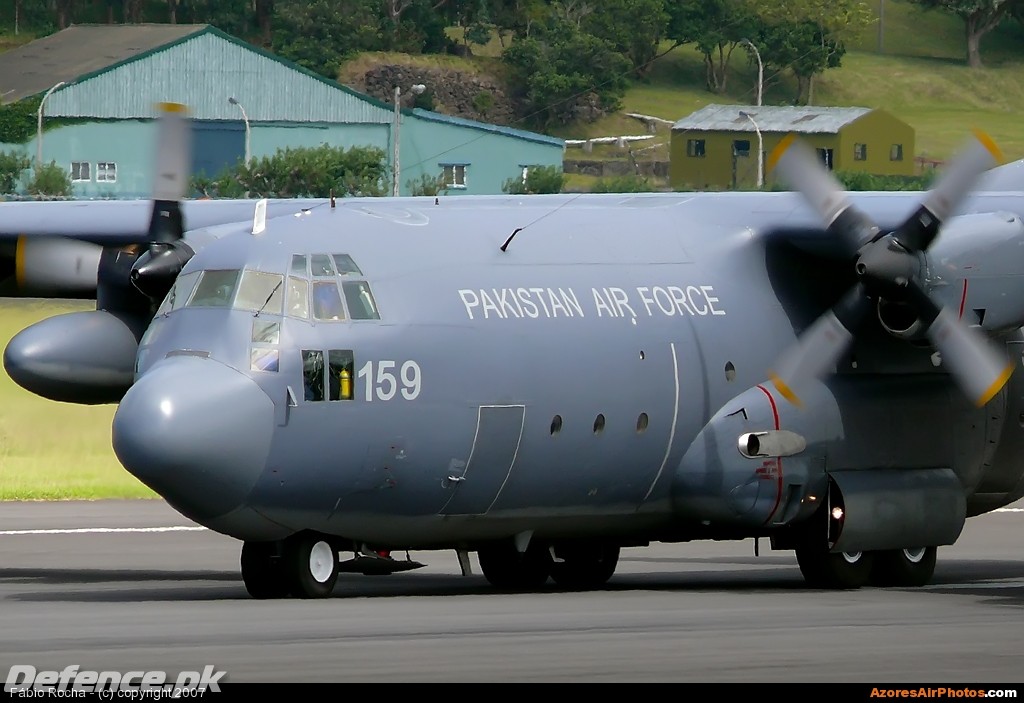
{"x":1008,"y":510}
{"x":101,"y":530}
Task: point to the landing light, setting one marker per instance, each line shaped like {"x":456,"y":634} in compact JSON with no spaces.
{"x":837,"y":513}
{"x":166,"y":408}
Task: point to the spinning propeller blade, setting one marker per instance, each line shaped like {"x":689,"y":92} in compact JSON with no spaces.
{"x":888,"y":265}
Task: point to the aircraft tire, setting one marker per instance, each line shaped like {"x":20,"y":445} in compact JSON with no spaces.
{"x":311,"y":566}
{"x":504,"y":567}
{"x":843,"y":570}
{"x":904,"y":567}
{"x":262,"y":573}
{"x":584,"y":566}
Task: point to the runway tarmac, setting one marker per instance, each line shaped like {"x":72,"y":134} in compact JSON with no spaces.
{"x":74,"y":592}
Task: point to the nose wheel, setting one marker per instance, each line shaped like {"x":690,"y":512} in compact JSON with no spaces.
{"x":304,"y":566}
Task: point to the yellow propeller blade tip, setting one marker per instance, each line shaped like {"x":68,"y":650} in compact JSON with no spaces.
{"x":996,"y":386}
{"x":990,"y":145}
{"x":779,"y":150}
{"x":172,"y":107}
{"x":785,"y":390}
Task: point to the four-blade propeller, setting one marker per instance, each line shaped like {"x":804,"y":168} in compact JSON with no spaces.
{"x":889,"y":266}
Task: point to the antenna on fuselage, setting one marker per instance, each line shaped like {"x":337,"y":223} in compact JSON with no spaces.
{"x":508,"y":241}
{"x":259,"y":218}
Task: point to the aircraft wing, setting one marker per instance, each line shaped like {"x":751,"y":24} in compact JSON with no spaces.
{"x":119,"y":222}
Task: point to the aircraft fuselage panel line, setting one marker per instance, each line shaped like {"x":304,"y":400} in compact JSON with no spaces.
{"x":499,"y":432}
{"x":675,"y":420}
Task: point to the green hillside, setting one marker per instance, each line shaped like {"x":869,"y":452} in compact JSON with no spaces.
{"x":920,"y":76}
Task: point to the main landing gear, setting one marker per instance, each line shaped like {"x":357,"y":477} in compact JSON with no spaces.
{"x":581,"y":565}
{"x":895,"y":567}
{"x":303,"y":566}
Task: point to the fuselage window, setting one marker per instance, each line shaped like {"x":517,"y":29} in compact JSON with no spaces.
{"x":321,"y":265}
{"x":261,"y":292}
{"x":327,"y":301}
{"x":341,"y":367}
{"x":264,"y":359}
{"x":299,"y":265}
{"x":298,"y":298}
{"x":313,"y":374}
{"x":346,"y":265}
{"x":361,"y":304}
{"x":179,"y":293}
{"x":216,"y":289}
{"x":266,"y":331}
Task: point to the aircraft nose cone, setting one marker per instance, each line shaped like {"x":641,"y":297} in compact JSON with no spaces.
{"x":197,"y":432}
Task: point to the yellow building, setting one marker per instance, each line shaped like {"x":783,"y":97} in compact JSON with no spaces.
{"x":716,"y":147}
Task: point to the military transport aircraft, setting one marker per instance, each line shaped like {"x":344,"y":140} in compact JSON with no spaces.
{"x":547,"y":379}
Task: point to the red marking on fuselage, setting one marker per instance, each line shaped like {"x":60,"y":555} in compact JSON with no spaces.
{"x":963,"y":299}
{"x":778,"y":461}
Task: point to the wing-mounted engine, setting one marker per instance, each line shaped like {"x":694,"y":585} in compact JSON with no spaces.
{"x":89,"y":357}
{"x":759,"y":462}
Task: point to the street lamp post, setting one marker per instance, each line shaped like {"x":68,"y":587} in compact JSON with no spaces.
{"x":760,"y":149}
{"x":396,"y":170}
{"x":760,"y":68}
{"x":39,"y":125}
{"x":248,"y":133}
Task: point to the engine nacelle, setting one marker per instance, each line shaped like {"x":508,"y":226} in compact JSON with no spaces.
{"x":56,"y":267}
{"x":80,"y":357}
{"x":974,"y":267}
{"x":759,"y":462}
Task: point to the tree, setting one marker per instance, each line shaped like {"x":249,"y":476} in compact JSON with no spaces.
{"x":716,"y":27}
{"x":320,"y":34}
{"x":633,"y":27}
{"x":979,"y":17}
{"x":560,"y":74}
{"x":12,"y":165}
{"x":808,"y":36}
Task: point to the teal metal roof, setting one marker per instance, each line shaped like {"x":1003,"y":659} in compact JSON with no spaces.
{"x":483,"y":126}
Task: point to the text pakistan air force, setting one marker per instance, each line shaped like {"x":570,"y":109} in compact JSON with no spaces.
{"x":538,"y":302}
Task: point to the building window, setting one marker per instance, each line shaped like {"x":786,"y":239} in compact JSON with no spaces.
{"x":896,"y":152}
{"x":106,"y":172}
{"x":695,"y":147}
{"x":826,"y":158}
{"x":741,"y":147}
{"x":80,"y":171}
{"x":860,"y":152}
{"x":454,"y":175}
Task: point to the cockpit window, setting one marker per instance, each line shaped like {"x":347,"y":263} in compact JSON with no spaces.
{"x":262,"y":292}
{"x":361,"y":304}
{"x":346,"y":265}
{"x":215,"y":289}
{"x":327,"y":302}
{"x":178,"y":293}
{"x":299,"y":265}
{"x":321,"y":265}
{"x":298,"y":298}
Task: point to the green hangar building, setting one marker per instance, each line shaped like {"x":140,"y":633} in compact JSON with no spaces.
{"x":101,"y":85}
{"x":716,"y":147}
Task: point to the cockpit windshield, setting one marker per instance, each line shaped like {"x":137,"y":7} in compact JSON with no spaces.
{"x":324,"y":287}
{"x":216,"y":289}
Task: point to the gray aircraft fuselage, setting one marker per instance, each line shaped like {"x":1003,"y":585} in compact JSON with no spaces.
{"x":590,"y":380}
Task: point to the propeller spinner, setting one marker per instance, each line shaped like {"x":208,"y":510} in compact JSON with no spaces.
{"x":156,"y":269}
{"x":889,"y":266}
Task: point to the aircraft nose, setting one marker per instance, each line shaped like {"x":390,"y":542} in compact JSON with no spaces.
{"x":197,"y":432}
